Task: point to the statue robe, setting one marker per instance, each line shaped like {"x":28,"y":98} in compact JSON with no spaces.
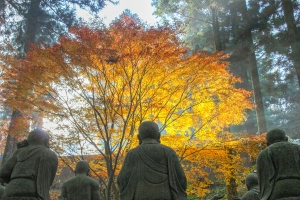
{"x":2,"y":188}
{"x":152,"y":171}
{"x":29,"y":173}
{"x":252,"y":194}
{"x":80,"y":187}
{"x":278,"y":171}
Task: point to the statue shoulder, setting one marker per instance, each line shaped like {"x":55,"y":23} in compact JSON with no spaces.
{"x":168,"y":149}
{"x":84,"y":179}
{"x":264,"y":152}
{"x":69,"y":181}
{"x":295,"y":145}
{"x":19,"y":150}
{"x":94,"y":182}
{"x":49,"y":155}
{"x":133,"y":151}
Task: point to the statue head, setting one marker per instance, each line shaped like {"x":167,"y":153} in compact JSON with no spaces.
{"x":276,"y":135}
{"x":38,"y":137}
{"x":82,"y":167}
{"x":251,"y":180}
{"x":148,"y":129}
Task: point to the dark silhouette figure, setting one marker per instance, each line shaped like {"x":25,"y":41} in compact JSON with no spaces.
{"x":81,"y":186}
{"x":252,"y":186}
{"x":278,"y":168}
{"x":30,"y":171}
{"x":151,"y":171}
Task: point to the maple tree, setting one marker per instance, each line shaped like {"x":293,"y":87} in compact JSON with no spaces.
{"x":32,"y":21}
{"x":225,"y":159}
{"x":101,"y":82}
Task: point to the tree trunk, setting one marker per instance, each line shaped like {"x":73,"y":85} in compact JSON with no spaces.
{"x":250,"y":60}
{"x":238,"y":67}
{"x":116,"y":191}
{"x":2,"y":10}
{"x":260,"y":114}
{"x":293,"y":35}
{"x":10,"y":147}
{"x":18,"y":127}
{"x":110,"y":171}
{"x":216,"y":29}
{"x":231,"y":187}
{"x":32,"y":20}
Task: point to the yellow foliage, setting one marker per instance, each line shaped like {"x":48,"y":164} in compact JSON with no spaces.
{"x":207,"y":159}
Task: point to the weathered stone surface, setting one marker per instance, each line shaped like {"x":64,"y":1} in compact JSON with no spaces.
{"x":81,"y":186}
{"x":216,"y":197}
{"x":252,"y":186}
{"x":151,"y":170}
{"x":2,"y":188}
{"x":236,"y":198}
{"x":29,"y":173}
{"x":278,"y":168}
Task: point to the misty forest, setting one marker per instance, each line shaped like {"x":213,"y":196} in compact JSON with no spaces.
{"x":215,"y":75}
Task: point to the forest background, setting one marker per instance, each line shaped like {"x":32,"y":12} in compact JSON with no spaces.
{"x":215,"y":76}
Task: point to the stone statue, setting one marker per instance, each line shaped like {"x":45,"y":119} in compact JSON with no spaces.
{"x":2,"y":188}
{"x":151,"y":170}
{"x":30,"y":171}
{"x":278,"y":168}
{"x":216,"y":197}
{"x":81,"y":186}
{"x":252,"y":186}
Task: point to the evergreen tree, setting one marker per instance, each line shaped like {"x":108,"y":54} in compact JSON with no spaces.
{"x":228,"y":26}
